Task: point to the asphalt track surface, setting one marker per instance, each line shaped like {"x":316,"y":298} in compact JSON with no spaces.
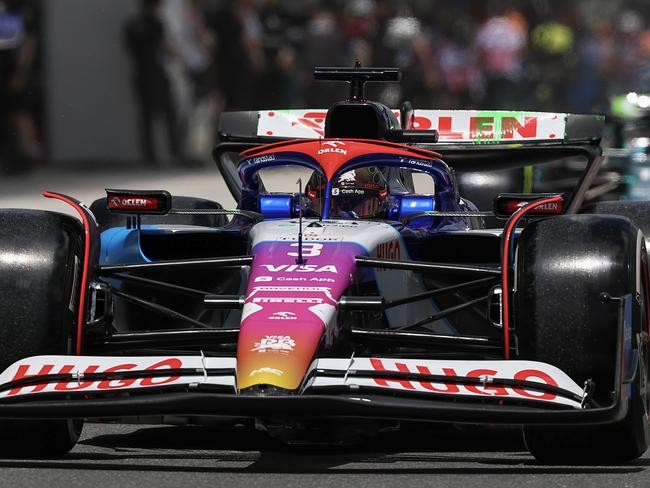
{"x":170,"y":456}
{"x":129,"y":455}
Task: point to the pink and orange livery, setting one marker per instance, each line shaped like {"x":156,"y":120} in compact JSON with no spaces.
{"x":371,"y":295}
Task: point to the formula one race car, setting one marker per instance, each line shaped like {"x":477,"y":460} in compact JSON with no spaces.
{"x":352,"y":287}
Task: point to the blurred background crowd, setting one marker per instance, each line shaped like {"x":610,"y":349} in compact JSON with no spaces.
{"x":182,"y":62}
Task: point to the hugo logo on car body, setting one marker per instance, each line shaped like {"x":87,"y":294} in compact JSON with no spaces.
{"x":389,"y":250}
{"x":27,"y":370}
{"x":487,"y":374}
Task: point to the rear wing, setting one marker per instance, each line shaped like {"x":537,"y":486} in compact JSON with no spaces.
{"x":469,"y":140}
{"x":470,"y":127}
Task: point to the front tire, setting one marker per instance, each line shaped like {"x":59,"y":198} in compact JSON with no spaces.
{"x":42,"y":262}
{"x":564,"y":265}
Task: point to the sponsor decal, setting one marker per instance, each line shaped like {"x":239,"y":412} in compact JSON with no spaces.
{"x":133,"y":202}
{"x":481,"y":127}
{"x":335,"y":147}
{"x":25,"y":371}
{"x":274,"y":371}
{"x":322,"y":289}
{"x":314,"y":121}
{"x":452,"y":125}
{"x":389,"y":250}
{"x":335,"y":192}
{"x":353,"y":191}
{"x":303,"y":279}
{"x":485,"y":374}
{"x":287,"y":300}
{"x":419,"y":162}
{"x":263,"y":278}
{"x":283,"y":316}
{"x":293,"y":289}
{"x":298,"y":268}
{"x":547,"y":208}
{"x":282,"y":344}
{"x":348,"y":177}
{"x":264,"y":159}
{"x":342,"y":223}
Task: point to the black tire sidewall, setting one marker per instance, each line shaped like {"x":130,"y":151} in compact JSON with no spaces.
{"x":39,"y":303}
{"x":560,"y":320}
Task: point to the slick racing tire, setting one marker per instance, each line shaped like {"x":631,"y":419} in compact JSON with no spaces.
{"x":638,"y":212}
{"x":106,"y":219}
{"x":39,"y":275}
{"x":564,"y":265}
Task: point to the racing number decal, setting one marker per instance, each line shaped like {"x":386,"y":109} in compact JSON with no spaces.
{"x":309,"y":249}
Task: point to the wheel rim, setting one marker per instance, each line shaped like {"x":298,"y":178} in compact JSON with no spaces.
{"x":644,"y":366}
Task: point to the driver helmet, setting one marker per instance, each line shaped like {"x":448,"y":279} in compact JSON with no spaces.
{"x":356,"y":194}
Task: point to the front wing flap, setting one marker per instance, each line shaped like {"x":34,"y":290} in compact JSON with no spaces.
{"x":407,"y":389}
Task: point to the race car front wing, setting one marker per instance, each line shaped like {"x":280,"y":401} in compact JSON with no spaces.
{"x":475,"y":391}
{"x":429,"y":390}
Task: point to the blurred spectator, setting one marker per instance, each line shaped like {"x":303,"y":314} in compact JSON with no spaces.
{"x":628,"y":51}
{"x":459,"y":66}
{"x":193,"y":76}
{"x":500,"y":42}
{"x":542,"y":55}
{"x":147,"y":45}
{"x":324,"y":45}
{"x":407,"y":45}
{"x":240,"y":60}
{"x":20,"y":99}
{"x":360,"y":27}
{"x":198,"y":57}
{"x":642,"y":77}
{"x":551,"y":58}
{"x":585,"y":87}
